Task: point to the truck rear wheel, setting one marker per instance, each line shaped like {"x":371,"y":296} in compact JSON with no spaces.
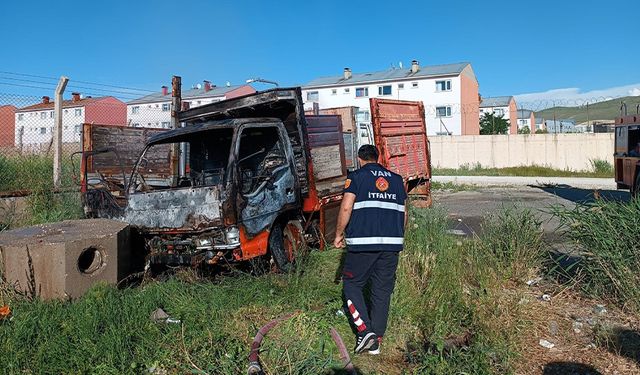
{"x":285,"y":242}
{"x":635,"y":189}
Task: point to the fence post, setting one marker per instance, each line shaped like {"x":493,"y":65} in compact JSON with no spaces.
{"x":57,"y":133}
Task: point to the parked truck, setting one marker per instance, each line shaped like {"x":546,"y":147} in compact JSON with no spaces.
{"x":626,"y":159}
{"x":259,"y":177}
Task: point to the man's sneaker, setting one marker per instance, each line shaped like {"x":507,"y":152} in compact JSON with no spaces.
{"x":365,"y":341}
{"x":375,"y":348}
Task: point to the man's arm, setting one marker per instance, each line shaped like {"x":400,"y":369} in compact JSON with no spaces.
{"x":343,"y":218}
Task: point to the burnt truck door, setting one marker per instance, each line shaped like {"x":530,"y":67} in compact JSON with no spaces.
{"x":266,"y":178}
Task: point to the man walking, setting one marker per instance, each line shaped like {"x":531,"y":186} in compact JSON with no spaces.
{"x":373,"y":207}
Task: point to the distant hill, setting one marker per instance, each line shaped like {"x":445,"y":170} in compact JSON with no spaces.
{"x":607,"y":110}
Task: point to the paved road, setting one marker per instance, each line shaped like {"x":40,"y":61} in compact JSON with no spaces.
{"x":469,"y":207}
{"x":576,"y":182}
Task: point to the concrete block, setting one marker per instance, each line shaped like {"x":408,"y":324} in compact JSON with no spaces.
{"x":62,"y":260}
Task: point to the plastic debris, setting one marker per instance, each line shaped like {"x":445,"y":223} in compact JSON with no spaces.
{"x":577,"y":327}
{"x":534,"y":281}
{"x":339,"y":312}
{"x":546,"y":344}
{"x":546,"y":297}
{"x":160,"y":316}
{"x":599,"y":309}
{"x":5,"y":312}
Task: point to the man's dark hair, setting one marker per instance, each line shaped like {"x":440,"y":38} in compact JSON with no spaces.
{"x":368,"y":153}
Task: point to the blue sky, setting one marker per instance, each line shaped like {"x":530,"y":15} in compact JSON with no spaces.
{"x":515,"y":47}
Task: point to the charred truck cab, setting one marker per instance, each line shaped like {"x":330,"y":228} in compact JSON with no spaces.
{"x":256,"y":177}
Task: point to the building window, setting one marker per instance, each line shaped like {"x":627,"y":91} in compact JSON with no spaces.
{"x":166,"y":107}
{"x":51,"y":114}
{"x":166,"y":125}
{"x":400,"y":86}
{"x":414,"y":85}
{"x":384,"y":90}
{"x":78,"y":112}
{"x":312,"y":96}
{"x":362,"y":116}
{"x":20,"y":116}
{"x":334,"y":91}
{"x":443,"y":111}
{"x":43,"y":130}
{"x":443,"y":85}
{"x":43,"y":115}
{"x":136,"y":124}
{"x":77,"y":129}
{"x":362,"y":92}
{"x":135,"y":109}
{"x":498,"y":112}
{"x":347,"y":90}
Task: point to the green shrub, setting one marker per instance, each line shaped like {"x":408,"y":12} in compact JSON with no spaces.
{"x":602,"y":167}
{"x":513,"y":237}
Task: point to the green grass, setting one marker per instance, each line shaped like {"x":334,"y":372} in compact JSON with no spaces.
{"x":446,"y":288}
{"x":28,"y":171}
{"x":600,"y":168}
{"x":608,"y":234}
{"x":604,"y":110}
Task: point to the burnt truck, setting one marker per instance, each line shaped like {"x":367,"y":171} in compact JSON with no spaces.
{"x":247,"y":177}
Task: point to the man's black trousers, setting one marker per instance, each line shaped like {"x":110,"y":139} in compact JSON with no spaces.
{"x":378,"y":268}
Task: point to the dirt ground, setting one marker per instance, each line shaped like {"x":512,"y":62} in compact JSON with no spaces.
{"x":587,"y":336}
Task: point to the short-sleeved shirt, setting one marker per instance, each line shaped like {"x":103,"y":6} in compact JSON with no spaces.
{"x":377,"y":219}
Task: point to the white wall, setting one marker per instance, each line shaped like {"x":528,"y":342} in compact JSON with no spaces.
{"x":425,"y":92}
{"x":152,"y":115}
{"x":32,"y":125}
{"x":559,"y":151}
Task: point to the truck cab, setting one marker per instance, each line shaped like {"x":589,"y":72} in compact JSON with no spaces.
{"x":626,"y":160}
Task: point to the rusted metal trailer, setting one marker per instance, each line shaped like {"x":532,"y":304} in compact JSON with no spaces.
{"x":400,"y":133}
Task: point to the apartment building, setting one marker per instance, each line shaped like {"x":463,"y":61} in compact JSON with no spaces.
{"x":34,"y":124}
{"x":154,"y":110}
{"x":504,"y":106}
{"x":526,"y":119}
{"x":449,"y":93}
{"x":7,"y":125}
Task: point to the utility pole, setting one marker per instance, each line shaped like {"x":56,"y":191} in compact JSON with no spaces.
{"x":588,"y":127}
{"x":57,"y":133}
{"x":176,"y":105}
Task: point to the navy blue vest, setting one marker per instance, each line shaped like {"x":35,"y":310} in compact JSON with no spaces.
{"x":377,"y":219}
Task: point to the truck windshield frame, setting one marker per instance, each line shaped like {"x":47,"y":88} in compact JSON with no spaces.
{"x":208,"y":161}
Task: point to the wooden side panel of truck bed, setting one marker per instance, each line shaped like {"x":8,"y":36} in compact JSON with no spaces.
{"x":400,"y":133}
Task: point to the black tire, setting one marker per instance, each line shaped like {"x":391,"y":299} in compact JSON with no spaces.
{"x":285,"y":242}
{"x":635,"y":189}
{"x":277,"y":250}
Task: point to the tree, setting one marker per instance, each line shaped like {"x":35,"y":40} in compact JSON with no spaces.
{"x":541,"y":131}
{"x":524,"y":130}
{"x":491,"y":124}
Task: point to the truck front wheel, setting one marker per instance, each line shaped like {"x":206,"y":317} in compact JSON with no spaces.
{"x":285,"y":242}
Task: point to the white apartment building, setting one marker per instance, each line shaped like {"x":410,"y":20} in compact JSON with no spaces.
{"x":449,"y":93}
{"x":526,"y":119}
{"x":34,"y":124}
{"x":154,"y":111}
{"x":504,"y":106}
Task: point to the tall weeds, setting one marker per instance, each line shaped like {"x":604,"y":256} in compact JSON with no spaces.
{"x":608,"y":235}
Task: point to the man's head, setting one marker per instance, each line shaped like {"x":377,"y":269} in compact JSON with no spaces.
{"x":367,"y":154}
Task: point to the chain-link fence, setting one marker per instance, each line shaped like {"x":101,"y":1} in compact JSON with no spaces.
{"x":27,"y":125}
